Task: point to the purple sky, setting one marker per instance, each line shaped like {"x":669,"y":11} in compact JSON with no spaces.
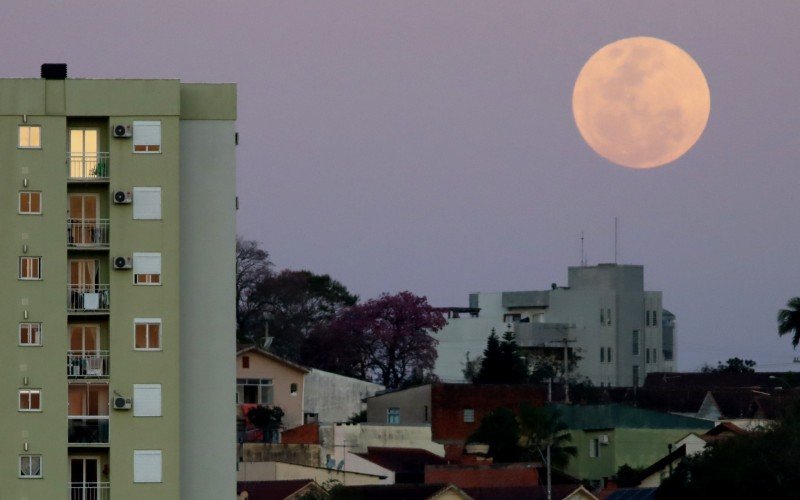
{"x":430,"y":146}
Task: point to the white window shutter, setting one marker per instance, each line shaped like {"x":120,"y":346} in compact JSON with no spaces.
{"x":147,"y":203}
{"x":147,"y":466}
{"x":147,"y":263}
{"x":146,"y":400}
{"x":146,"y":133}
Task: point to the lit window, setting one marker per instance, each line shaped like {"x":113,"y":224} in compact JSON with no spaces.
{"x":245,"y":361}
{"x":147,"y":268}
{"x":30,"y":400}
{"x":147,"y":203}
{"x":146,"y":137}
{"x":147,"y":466}
{"x":30,"y":466}
{"x":30,"y":334}
{"x":146,"y":400}
{"x":30,"y":137}
{"x":393,"y":416}
{"x":469,"y":415}
{"x":147,"y":334}
{"x":30,"y":202}
{"x":30,"y":268}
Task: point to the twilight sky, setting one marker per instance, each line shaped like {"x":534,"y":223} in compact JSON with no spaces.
{"x":430,"y":146}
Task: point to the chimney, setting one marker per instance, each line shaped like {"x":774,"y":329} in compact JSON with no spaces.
{"x":54,"y":71}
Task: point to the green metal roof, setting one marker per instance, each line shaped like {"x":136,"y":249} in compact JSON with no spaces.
{"x":617,"y":416}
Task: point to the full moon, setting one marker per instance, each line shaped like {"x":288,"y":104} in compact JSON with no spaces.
{"x":641,"y":102}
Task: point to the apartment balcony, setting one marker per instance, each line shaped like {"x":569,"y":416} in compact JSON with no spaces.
{"x":83,"y":233}
{"x":87,"y":167}
{"x":82,"y":298}
{"x":88,"y":364}
{"x":87,"y":429}
{"x":89,"y":491}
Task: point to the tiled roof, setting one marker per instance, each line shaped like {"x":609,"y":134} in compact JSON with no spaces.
{"x":395,"y":491}
{"x":408,"y":464}
{"x":271,"y":490}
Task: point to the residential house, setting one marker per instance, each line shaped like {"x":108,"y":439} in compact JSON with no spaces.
{"x":330,"y":397}
{"x":120,"y":228}
{"x":611,"y":435}
{"x":263,"y":378}
{"x":403,"y":492}
{"x":408,"y":465}
{"x":280,"y":490}
{"x":620,"y":331}
{"x":284,"y":471}
{"x":453,"y":411}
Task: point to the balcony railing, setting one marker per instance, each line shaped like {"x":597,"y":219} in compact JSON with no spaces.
{"x":89,"y":491}
{"x":88,"y":298}
{"x":85,"y":429}
{"x":87,"y":364}
{"x":87,"y":232}
{"x":88,"y":166}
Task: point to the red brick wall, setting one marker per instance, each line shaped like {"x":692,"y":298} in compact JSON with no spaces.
{"x":483,"y":476}
{"x":448,"y":402}
{"x":304,"y":434}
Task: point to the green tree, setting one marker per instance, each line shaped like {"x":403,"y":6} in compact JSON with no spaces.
{"x":789,"y":320}
{"x":500,"y":430}
{"x":733,"y":365}
{"x":542,"y":426}
{"x":502,"y":362}
{"x":268,"y":419}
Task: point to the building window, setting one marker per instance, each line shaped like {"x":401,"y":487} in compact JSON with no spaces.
{"x":146,"y":400}
{"x":594,"y":448}
{"x":511,"y":318}
{"x":655,"y":316}
{"x":147,"y":203}
{"x":254,"y":390}
{"x":30,"y":137}
{"x":30,"y":268}
{"x":667,"y":355}
{"x":30,"y":400}
{"x":30,"y":466}
{"x":30,"y":202}
{"x":609,"y":355}
{"x":426,"y":413}
{"x":608,"y":315}
{"x":635,"y":375}
{"x":647,"y":318}
{"x":147,"y":137}
{"x":469,"y":415}
{"x":602,"y":354}
{"x":147,"y":268}
{"x":654,"y":355}
{"x":393,"y":416}
{"x":147,"y":334}
{"x":635,"y":343}
{"x":30,"y":334}
{"x":602,"y":316}
{"x":245,"y":361}
{"x":293,"y":389}
{"x":147,"y":466}
{"x":647,"y":355}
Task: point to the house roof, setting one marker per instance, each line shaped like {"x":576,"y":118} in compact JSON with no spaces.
{"x":244,"y":349}
{"x":400,"y":491}
{"x":274,"y":490}
{"x":633,"y":494}
{"x":709,"y":381}
{"x":676,"y":454}
{"x":408,"y":464}
{"x":560,"y":492}
{"x":616,"y":416}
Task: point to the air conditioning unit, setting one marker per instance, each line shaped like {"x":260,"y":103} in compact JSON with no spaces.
{"x":122,"y":197}
{"x":123,"y":262}
{"x":604,"y":439}
{"x":121,"y":403}
{"x":122,"y":131}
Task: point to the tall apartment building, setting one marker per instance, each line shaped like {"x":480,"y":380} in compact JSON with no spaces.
{"x":619,"y":330}
{"x":117,"y":288}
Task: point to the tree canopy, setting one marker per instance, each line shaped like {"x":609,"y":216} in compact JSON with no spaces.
{"x":733,"y":365}
{"x":502,"y":363}
{"x":789,"y":320}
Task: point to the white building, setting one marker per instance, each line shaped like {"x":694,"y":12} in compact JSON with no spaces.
{"x":619,"y":330}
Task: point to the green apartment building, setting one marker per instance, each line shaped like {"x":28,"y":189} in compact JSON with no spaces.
{"x":117,"y":295}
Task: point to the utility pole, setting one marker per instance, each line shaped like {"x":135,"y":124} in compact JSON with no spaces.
{"x":549,"y":483}
{"x":566,"y":342}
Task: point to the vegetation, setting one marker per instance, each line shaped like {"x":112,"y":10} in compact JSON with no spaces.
{"x":502,"y":362}
{"x":357,"y":418}
{"x":500,"y":430}
{"x":268,"y":419}
{"x":733,"y":365}
{"x":789,"y":320}
{"x":627,"y":476}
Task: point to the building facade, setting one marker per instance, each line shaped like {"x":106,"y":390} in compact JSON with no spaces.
{"x":119,"y":207}
{"x":604,"y":316}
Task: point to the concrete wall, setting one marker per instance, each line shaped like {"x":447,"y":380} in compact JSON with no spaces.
{"x":414,"y":405}
{"x":277,"y":471}
{"x":335,"y":398}
{"x":301,"y":454}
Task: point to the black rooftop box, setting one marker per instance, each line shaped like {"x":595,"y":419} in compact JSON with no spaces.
{"x":54,"y":71}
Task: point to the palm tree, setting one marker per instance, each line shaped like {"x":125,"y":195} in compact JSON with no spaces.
{"x":543,"y":426}
{"x":789,"y":320}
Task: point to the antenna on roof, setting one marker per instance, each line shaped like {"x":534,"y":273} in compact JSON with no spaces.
{"x":616,"y":238}
{"x":583,"y":253}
